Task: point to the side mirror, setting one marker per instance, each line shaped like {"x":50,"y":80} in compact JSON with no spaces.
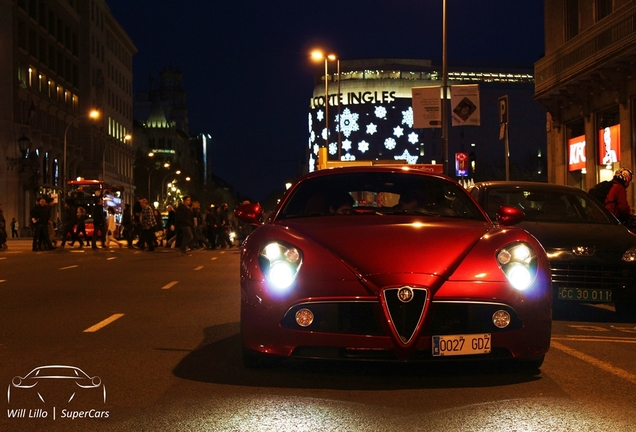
{"x":249,"y":213}
{"x":509,"y":216}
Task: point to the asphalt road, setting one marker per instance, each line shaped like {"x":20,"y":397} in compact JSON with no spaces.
{"x":160,"y":330}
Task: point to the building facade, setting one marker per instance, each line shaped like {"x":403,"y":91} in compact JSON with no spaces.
{"x":64,"y":59}
{"x":587,"y":84}
{"x":370,"y":117}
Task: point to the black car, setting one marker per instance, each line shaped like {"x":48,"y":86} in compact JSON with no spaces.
{"x":592,"y":255}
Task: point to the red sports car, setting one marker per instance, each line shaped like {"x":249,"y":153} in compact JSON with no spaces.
{"x":381,"y":263}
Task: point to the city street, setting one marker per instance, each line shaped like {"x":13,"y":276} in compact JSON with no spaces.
{"x":161,"y":331}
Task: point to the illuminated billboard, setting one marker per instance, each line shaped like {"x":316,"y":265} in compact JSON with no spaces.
{"x":576,"y":153}
{"x":609,"y":145}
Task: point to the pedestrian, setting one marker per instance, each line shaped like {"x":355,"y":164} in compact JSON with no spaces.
{"x":199,"y":227}
{"x":171,"y":227}
{"x":616,"y":199}
{"x":40,"y":216}
{"x":211,"y":226}
{"x":15,"y":226}
{"x":51,"y":226}
{"x":148,"y":223}
{"x":185,"y":223}
{"x":99,"y":224}
{"x":136,"y":213}
{"x":127,"y":223}
{"x":111,"y":228}
{"x":223,"y":222}
{"x":70,"y":220}
{"x":3,"y":229}
{"x":159,"y":229}
{"x":81,"y":228}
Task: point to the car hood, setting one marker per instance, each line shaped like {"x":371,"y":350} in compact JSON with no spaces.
{"x":603,"y":237}
{"x":385,"y":244}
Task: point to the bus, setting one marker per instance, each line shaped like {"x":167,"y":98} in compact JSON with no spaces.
{"x":87,"y":193}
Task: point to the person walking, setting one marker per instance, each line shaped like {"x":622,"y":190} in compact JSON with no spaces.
{"x":148,"y":223}
{"x":15,"y":227}
{"x":99,"y":224}
{"x":40,"y":216}
{"x":171,"y":226}
{"x":70,"y":220}
{"x":223,"y":222}
{"x":80,"y":228}
{"x":199,"y":227}
{"x":3,"y":229}
{"x":185,"y":223}
{"x":111,"y":228}
{"x":127,"y":224}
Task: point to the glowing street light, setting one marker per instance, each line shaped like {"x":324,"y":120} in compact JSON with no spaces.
{"x":94,"y":114}
{"x":319,"y":55}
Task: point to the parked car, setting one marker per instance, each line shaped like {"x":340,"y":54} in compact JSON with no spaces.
{"x":380,"y":263}
{"x":592,"y":255}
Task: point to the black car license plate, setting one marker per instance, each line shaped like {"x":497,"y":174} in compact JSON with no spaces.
{"x":587,"y":294}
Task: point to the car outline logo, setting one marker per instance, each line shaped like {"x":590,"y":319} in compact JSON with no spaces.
{"x":42,"y":373}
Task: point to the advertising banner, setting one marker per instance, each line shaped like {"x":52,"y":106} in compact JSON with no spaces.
{"x":461,"y":164}
{"x":576,"y":153}
{"x":609,"y":145}
{"x":427,"y":107}
{"x":465,"y":105}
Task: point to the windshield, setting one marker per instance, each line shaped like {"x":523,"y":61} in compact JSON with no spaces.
{"x":549,"y":205}
{"x":379,"y":193}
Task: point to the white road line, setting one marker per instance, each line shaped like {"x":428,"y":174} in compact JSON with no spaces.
{"x":621,"y":373}
{"x":213,"y":258}
{"x":104,"y":323}
{"x":3,"y":258}
{"x":198,"y":268}
{"x":111,"y":258}
{"x":69,"y":267}
{"x":582,"y":338}
{"x":170,"y":285}
{"x":2,"y":280}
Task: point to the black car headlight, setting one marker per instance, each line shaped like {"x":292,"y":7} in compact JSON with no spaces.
{"x":518,"y":261}
{"x":280,"y":263}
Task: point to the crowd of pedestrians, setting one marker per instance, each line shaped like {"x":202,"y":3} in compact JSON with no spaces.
{"x":187,"y":228}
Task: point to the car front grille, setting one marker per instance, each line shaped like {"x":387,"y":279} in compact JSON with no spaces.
{"x":597,"y":277}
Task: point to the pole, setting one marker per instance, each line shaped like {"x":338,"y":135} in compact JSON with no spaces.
{"x":445,"y":88}
{"x":326,"y":104}
{"x":339,"y":118}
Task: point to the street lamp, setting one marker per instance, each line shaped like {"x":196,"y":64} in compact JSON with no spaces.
{"x":318,"y":55}
{"x":157,"y":166}
{"x":444,"y":92}
{"x":94,"y":114}
{"x":163,"y":182}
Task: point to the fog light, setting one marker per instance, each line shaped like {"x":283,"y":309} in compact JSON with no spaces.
{"x":304,"y":317}
{"x":501,"y":319}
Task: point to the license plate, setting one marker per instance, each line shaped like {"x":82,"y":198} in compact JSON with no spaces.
{"x":461,"y":345}
{"x":588,"y":294}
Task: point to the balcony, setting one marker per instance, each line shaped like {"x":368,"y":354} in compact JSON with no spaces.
{"x":606,"y":45}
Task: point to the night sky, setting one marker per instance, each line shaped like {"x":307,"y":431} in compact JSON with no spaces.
{"x":248,"y":75}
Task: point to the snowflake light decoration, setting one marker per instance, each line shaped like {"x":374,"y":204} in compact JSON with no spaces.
{"x":348,"y":157}
{"x":380,"y":112}
{"x":407,"y":117}
{"x":333,"y":148}
{"x":316,"y":147}
{"x":312,"y":163}
{"x":346,"y":145}
{"x":398,"y":131}
{"x":413,"y":138}
{"x":363,"y":146}
{"x":372,"y":128}
{"x":390,"y":143}
{"x":311,"y":122}
{"x":320,"y":115}
{"x":411,"y":160}
{"x":324,"y":134}
{"x":348,"y":122}
{"x":312,"y":136}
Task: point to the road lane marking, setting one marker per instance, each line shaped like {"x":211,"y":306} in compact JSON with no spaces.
{"x":213,"y":258}
{"x":104,"y":323}
{"x":2,"y":280}
{"x":3,"y":258}
{"x":198,"y":268}
{"x":584,"y":338}
{"x":111,"y":258}
{"x":170,"y":285}
{"x":69,"y":267}
{"x":621,"y":373}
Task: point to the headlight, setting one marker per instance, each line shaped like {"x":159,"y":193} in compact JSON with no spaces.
{"x":630,"y":255}
{"x":279,"y":263}
{"x":519,"y":263}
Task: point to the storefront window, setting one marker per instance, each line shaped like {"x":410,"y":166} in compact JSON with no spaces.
{"x":608,"y":145}
{"x":576,"y":150}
